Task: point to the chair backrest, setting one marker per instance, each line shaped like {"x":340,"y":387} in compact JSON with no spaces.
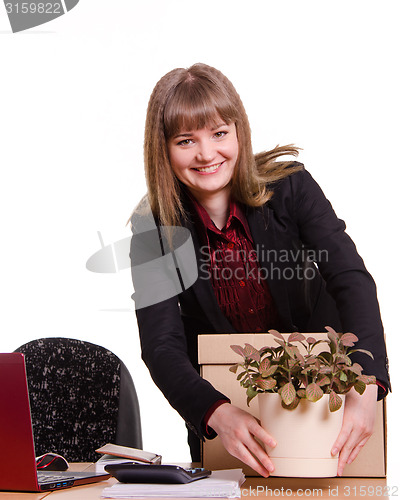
{"x":82,"y":397}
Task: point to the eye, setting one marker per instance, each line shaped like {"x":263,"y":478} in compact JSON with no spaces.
{"x":220,"y":134}
{"x":184,"y":142}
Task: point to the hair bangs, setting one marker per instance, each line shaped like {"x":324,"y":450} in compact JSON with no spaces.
{"x":193,"y":106}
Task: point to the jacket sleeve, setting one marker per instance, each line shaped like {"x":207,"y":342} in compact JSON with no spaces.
{"x":162,"y":335}
{"x":347,"y":279}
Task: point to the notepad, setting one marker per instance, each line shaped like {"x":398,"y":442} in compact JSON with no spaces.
{"x":221,"y":484}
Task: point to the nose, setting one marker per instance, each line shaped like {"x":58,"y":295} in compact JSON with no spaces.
{"x":205,"y":152}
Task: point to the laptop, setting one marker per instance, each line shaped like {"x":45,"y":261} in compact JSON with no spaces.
{"x":17,"y":453}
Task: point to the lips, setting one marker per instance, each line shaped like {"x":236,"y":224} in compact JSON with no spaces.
{"x":209,"y":169}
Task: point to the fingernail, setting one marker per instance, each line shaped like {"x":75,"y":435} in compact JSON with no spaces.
{"x":271,"y":468}
{"x":349,"y":461}
{"x":272,"y":443}
{"x":334,"y":452}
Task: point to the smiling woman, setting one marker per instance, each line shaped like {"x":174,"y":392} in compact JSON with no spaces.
{"x":184,"y":103}
{"x":204,"y":160}
{"x":202,"y":174}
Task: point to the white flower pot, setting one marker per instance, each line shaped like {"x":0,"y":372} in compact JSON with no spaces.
{"x":304,"y":436}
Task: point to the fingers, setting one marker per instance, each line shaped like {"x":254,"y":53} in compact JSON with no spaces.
{"x":357,"y":450}
{"x":257,"y":450}
{"x":358,"y":423}
{"x":350,"y":451}
{"x":243,"y":445}
{"x":261,"y":464}
{"x":238,"y":431}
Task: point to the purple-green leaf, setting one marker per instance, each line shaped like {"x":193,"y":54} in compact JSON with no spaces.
{"x":365,"y":352}
{"x":288,"y":393}
{"x":335,"y":401}
{"x":360,"y":386}
{"x":324,"y":380}
{"x":293,"y":405}
{"x":314,"y":392}
{"x":251,"y":393}
{"x":296,"y":337}
{"x":348,"y":339}
{"x":368,"y":379}
{"x":301,"y":393}
{"x":292,"y":350}
{"x":264,"y":365}
{"x":266,"y":384}
{"x":342,"y":358}
{"x":275,"y":333}
{"x":251,"y":352}
{"x":238,"y":349}
{"x":355,"y":368}
{"x":271,"y":370}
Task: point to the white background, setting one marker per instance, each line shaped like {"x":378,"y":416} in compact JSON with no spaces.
{"x":73,"y":92}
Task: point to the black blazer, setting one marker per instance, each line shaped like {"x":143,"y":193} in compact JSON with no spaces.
{"x":315,"y":276}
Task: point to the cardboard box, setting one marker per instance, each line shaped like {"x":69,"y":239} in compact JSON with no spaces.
{"x":215,"y":358}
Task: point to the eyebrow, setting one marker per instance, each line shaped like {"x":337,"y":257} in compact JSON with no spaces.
{"x":189,"y":134}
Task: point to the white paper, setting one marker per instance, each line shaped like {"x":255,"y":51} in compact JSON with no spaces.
{"x":221,"y":484}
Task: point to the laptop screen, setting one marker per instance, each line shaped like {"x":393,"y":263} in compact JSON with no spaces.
{"x":17,"y":454}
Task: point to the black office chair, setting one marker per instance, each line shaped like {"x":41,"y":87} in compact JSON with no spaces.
{"x":82,"y":396}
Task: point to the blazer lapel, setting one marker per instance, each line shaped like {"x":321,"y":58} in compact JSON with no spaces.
{"x":204,"y":291}
{"x":263,"y":228}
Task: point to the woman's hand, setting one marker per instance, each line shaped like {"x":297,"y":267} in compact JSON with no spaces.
{"x":237,"y":430}
{"x":358,"y":425}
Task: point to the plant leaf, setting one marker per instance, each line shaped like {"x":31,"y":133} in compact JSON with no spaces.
{"x":271,"y":370}
{"x":234,"y":368}
{"x":296,"y":337}
{"x":292,"y":405}
{"x":264,"y":365}
{"x":359,"y":386}
{"x":251,"y":352}
{"x":323,"y":381}
{"x":251,"y":393}
{"x":348,"y":339}
{"x":368,"y":379}
{"x":365,"y":352}
{"x":275,"y":333}
{"x":355,"y":368}
{"x":343,"y":359}
{"x":333,"y":338}
{"x":325,"y":370}
{"x":326,"y":357}
{"x":311,"y":340}
{"x":292,"y":350}
{"x":238,"y":349}
{"x":314,"y":392}
{"x":333,"y":332}
{"x":301,"y":393}
{"x":266,"y":384}
{"x":335,"y":401}
{"x":288,"y":393}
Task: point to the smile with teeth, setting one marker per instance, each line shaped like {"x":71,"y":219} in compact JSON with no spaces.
{"x":211,"y":168}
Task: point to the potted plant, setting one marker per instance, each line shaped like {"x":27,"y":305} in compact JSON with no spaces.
{"x":301,"y":384}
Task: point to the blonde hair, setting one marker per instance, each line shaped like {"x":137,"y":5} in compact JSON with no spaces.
{"x":191,"y":99}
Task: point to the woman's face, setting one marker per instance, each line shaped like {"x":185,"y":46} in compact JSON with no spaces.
{"x":204,"y":159}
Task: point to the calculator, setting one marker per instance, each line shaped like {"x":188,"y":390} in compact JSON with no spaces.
{"x":163,"y":474}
